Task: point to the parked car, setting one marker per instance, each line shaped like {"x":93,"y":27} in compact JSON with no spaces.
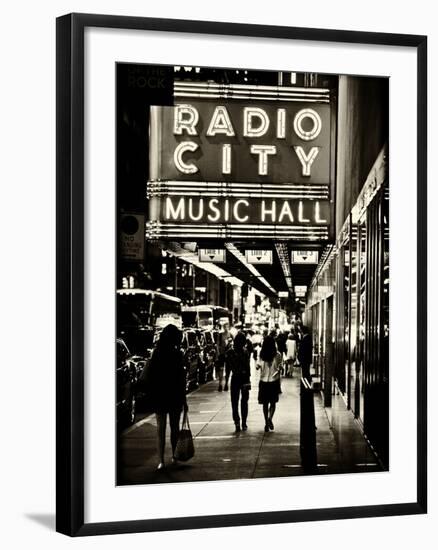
{"x":128,"y":369}
{"x":191,"y":349}
{"x":139,"y":340}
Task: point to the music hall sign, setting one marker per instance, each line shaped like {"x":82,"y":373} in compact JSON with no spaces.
{"x":246,"y":163}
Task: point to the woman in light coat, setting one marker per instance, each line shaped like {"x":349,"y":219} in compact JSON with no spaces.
{"x":270,"y":364}
{"x":291,"y":354}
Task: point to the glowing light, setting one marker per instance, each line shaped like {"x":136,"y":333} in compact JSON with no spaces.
{"x":236,"y":210}
{"x":226,"y":158}
{"x":306,"y":160}
{"x":249,"y":113}
{"x":216,"y":212}
{"x":265,"y":211}
{"x":220,"y":123}
{"x":286,"y":211}
{"x":318,"y":218}
{"x":281,"y":123}
{"x":175,"y":213}
{"x":185,"y":168}
{"x":200,"y":210}
{"x":301,"y":217}
{"x":186,"y":118}
{"x":307,"y":135}
{"x":263,"y":151}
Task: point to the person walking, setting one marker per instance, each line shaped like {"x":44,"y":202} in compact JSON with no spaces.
{"x":281,"y":342}
{"x":237,"y":359}
{"x":291,"y":354}
{"x":225,"y":339}
{"x":270,"y":363}
{"x":305,"y":352}
{"x":167,"y":378}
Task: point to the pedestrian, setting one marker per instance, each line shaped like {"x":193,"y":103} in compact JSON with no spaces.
{"x":305,"y":352}
{"x":238,"y":360}
{"x":270,"y":364}
{"x":248,"y":344}
{"x":281,"y":346}
{"x":256,"y":341}
{"x":167,"y":379}
{"x":291,"y":354}
{"x":225,"y":339}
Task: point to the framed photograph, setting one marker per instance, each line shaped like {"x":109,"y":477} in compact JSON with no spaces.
{"x":241,"y":274}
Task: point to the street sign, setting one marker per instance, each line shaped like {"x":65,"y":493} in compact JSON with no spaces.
{"x":283,"y":294}
{"x":300,"y":291}
{"x":132,"y":233}
{"x":259,"y":256}
{"x":216,"y":255}
{"x":304,"y":257}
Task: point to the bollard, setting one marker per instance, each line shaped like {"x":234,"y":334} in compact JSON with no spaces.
{"x":307,"y":428}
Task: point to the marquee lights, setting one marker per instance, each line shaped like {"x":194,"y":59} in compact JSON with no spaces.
{"x":307,"y":135}
{"x":306,"y":159}
{"x":184,"y":167}
{"x":186,"y":119}
{"x":159,"y":230}
{"x":231,"y":210}
{"x":246,"y":169}
{"x":263,"y":151}
{"x":249,"y":113}
{"x":235,"y":189}
{"x":251,"y":92}
{"x":220,"y":122}
{"x":226,"y":159}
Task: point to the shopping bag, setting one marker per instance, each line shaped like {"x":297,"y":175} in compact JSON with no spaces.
{"x":185,"y":449}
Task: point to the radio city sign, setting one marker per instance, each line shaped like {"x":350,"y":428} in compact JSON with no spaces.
{"x":224,"y":168}
{"x":207,"y":141}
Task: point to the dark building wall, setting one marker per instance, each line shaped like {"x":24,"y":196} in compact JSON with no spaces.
{"x":362,"y":130}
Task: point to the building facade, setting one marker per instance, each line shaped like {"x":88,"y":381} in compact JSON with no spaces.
{"x":348,"y":300}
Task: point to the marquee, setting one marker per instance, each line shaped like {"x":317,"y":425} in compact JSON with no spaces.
{"x":239,"y":160}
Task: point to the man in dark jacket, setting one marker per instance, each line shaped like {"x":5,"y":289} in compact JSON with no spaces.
{"x":238,"y":361}
{"x":305,"y":352}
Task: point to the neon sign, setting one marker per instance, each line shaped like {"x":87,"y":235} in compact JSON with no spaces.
{"x":205,"y":141}
{"x":223,"y":166}
{"x":232,"y":210}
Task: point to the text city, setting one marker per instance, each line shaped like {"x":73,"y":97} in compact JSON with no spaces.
{"x":306,"y":126}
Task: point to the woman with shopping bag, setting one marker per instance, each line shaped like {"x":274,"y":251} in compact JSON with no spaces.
{"x":168,"y":388}
{"x":185,"y":449}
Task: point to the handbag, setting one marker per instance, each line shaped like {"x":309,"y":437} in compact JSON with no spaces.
{"x":185,"y":450}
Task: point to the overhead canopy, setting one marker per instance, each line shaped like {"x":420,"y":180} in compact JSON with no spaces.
{"x":244,"y":263}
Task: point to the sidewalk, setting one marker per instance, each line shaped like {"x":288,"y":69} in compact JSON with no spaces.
{"x":221,"y":454}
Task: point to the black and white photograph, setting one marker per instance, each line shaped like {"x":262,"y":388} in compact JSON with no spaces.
{"x":218,"y":279}
{"x":253,"y":274}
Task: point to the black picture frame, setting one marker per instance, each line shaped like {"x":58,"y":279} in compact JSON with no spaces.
{"x":70,"y":273}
